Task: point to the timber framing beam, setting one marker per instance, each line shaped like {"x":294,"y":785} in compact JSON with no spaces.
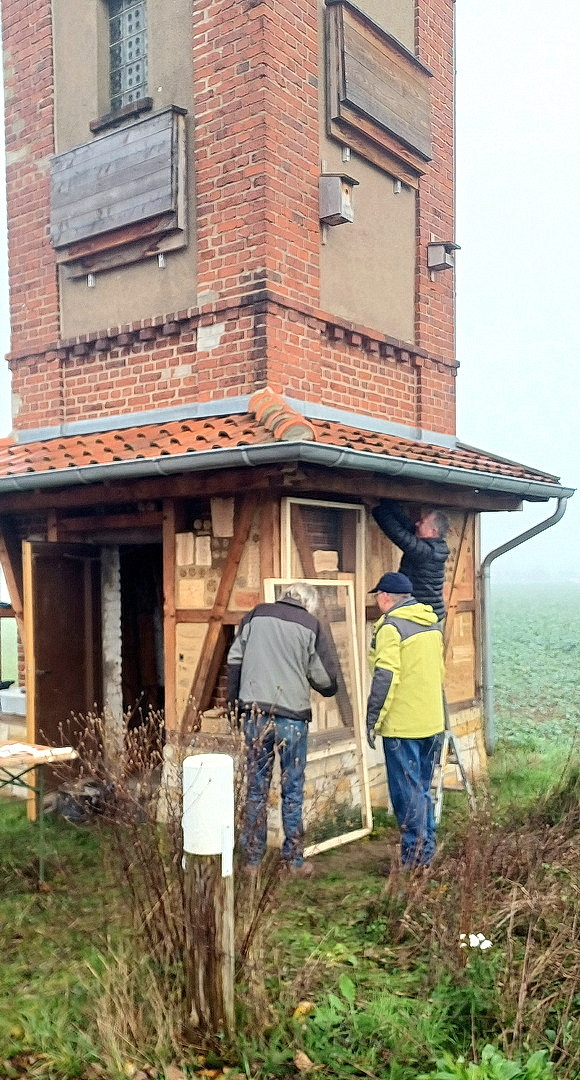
{"x":304,"y":479}
{"x":214,"y":645}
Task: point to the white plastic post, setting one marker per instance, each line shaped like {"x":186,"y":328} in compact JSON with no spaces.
{"x":208,"y":807}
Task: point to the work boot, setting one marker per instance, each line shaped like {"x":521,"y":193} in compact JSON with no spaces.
{"x":304,"y":870}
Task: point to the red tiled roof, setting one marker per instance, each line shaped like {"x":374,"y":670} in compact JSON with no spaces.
{"x":279,"y":422}
{"x":128,"y":444}
{"x":457,"y":457}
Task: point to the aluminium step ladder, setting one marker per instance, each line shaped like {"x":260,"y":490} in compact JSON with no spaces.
{"x":449,"y":754}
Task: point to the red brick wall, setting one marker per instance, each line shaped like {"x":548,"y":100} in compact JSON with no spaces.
{"x":256,"y":139}
{"x":29,"y":143}
{"x":256,"y":167}
{"x":435,"y":299}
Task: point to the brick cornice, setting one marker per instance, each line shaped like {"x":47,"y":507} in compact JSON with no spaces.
{"x":145,"y":333}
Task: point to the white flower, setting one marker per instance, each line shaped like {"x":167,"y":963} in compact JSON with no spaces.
{"x":476,"y":941}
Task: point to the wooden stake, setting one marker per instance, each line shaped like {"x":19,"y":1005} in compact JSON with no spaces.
{"x":209,"y":900}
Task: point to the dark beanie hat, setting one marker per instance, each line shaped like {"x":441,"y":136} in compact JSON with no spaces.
{"x":393,"y":583}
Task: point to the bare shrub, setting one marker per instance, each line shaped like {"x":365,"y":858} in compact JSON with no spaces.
{"x":139,"y":809}
{"x":517,"y":883}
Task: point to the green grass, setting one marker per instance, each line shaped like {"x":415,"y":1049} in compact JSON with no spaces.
{"x":46,"y":938}
{"x":389,"y":993}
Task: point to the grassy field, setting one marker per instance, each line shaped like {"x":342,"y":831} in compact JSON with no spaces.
{"x":8,"y":652}
{"x":536,"y":644}
{"x":351,"y":975}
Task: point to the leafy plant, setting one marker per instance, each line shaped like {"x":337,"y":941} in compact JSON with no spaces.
{"x":493,"y":1066}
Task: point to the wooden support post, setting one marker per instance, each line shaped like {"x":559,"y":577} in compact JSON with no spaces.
{"x":209,"y":900}
{"x":169,"y":620}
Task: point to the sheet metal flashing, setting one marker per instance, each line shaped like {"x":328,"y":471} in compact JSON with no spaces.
{"x":225,"y":406}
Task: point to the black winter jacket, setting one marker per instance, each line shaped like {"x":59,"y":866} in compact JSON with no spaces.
{"x":423,"y":559}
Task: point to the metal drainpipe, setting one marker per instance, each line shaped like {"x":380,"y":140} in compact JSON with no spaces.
{"x":490,"y":735}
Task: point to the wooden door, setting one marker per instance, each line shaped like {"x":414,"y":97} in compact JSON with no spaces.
{"x":63,"y":638}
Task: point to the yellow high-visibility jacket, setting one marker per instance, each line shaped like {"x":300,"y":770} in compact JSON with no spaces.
{"x":406,"y":662}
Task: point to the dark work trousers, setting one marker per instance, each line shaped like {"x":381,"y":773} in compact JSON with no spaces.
{"x":263,"y":734}
{"x":410,"y":765}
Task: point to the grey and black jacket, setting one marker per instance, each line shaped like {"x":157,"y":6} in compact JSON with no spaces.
{"x":423,"y":559}
{"x":278,"y":654}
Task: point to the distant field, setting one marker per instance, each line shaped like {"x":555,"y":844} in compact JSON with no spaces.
{"x":8,"y":654}
{"x":536,"y":650}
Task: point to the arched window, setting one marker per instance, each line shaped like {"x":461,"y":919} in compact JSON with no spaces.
{"x":127,"y":51}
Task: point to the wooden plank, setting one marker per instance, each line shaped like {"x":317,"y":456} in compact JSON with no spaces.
{"x":187,"y":485}
{"x":147,"y":167}
{"x":317,"y":482}
{"x":209,"y":953}
{"x":140,"y":231}
{"x":390,"y":92}
{"x":100,"y":522}
{"x":130,"y":200}
{"x":378,"y":93}
{"x":169,"y":614}
{"x":269,"y":514}
{"x":164,"y":236}
{"x":201,"y":615}
{"x":386,"y":152}
{"x":214,"y":645}
{"x":460,"y":671}
{"x":324,"y":482}
{"x":117,"y":179}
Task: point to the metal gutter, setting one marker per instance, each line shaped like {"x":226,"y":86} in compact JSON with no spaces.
{"x":490,"y":735}
{"x":275,"y":453}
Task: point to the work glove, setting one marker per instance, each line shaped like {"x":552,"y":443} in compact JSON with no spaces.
{"x":371,"y":737}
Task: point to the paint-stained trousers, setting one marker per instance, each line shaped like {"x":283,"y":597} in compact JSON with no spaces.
{"x":263,"y":735}
{"x":410,"y":765}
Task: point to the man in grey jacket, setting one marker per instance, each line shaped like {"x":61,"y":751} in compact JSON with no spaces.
{"x":278,"y":654}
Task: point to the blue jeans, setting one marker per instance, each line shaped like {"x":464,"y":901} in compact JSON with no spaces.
{"x":263,"y":734}
{"x":410,"y":765}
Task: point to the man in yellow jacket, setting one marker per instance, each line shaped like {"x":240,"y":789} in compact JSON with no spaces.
{"x":405,"y":706}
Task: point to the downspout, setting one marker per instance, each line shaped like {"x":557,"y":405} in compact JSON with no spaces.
{"x":489,"y":730}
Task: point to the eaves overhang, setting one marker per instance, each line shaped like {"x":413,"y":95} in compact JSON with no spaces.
{"x":276,"y":453}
